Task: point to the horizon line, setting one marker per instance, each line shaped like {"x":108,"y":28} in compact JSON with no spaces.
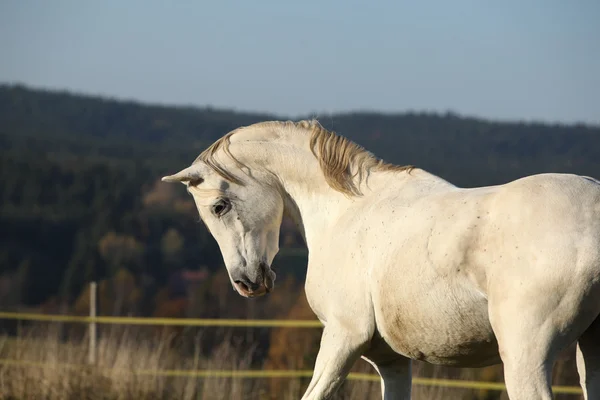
{"x":299,"y":116}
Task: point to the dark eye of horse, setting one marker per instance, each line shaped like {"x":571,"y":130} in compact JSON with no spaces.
{"x":221,"y":207}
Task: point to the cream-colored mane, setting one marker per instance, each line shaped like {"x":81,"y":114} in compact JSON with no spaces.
{"x":343,"y":162}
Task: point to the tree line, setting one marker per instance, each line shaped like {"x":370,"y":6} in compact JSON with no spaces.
{"x":81,"y":200}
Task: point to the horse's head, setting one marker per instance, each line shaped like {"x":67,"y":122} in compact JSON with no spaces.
{"x":243,"y":216}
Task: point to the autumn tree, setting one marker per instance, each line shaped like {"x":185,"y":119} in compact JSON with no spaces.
{"x":122,"y":253}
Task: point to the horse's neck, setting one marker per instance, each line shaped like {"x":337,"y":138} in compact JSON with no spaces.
{"x":292,"y":211}
{"x":309,"y":201}
{"x":315,"y":206}
{"x":314,"y":213}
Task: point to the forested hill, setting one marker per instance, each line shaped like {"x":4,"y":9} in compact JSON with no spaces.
{"x":79,"y":197}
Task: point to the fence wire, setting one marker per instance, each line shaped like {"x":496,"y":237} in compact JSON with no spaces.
{"x":248,"y":374}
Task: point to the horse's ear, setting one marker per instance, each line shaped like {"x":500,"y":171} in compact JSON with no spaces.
{"x":189,"y":174}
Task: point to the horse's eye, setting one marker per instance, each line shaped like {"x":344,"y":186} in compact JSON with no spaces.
{"x":221,"y":207}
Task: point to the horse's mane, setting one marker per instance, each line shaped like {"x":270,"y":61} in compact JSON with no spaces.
{"x":343,"y":162}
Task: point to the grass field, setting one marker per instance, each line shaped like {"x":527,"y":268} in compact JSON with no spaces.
{"x":123,"y":349}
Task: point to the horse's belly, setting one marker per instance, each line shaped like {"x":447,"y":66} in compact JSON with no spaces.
{"x":458,"y":352}
{"x":445,"y":333}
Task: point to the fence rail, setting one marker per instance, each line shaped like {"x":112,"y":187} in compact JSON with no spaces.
{"x":253,"y":323}
{"x":249,"y":374}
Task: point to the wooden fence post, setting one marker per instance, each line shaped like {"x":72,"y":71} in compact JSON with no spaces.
{"x":92,"y":325}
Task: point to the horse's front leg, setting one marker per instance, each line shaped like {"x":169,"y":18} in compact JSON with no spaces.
{"x":340,"y":348}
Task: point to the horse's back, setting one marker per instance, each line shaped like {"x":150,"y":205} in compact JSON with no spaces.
{"x":549,"y":221}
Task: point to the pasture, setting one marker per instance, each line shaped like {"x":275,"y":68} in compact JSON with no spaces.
{"x":54,"y":366}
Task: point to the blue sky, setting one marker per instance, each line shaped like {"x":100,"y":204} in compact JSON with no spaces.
{"x":515,"y":60}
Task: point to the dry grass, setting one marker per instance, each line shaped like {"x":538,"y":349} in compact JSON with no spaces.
{"x":121,"y":350}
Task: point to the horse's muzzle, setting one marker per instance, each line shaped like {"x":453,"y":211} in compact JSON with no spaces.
{"x":264,"y":284}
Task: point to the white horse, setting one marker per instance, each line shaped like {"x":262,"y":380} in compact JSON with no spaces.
{"x":406,"y":266}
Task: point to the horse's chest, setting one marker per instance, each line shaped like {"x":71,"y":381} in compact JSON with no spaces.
{"x":332,"y":294}
{"x":315,"y":295}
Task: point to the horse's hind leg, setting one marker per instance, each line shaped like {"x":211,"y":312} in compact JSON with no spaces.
{"x":396,"y":378}
{"x":529,"y":341}
{"x":588,"y":361}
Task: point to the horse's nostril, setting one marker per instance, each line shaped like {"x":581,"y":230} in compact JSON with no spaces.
{"x":263,"y":266}
{"x":248,"y":286}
